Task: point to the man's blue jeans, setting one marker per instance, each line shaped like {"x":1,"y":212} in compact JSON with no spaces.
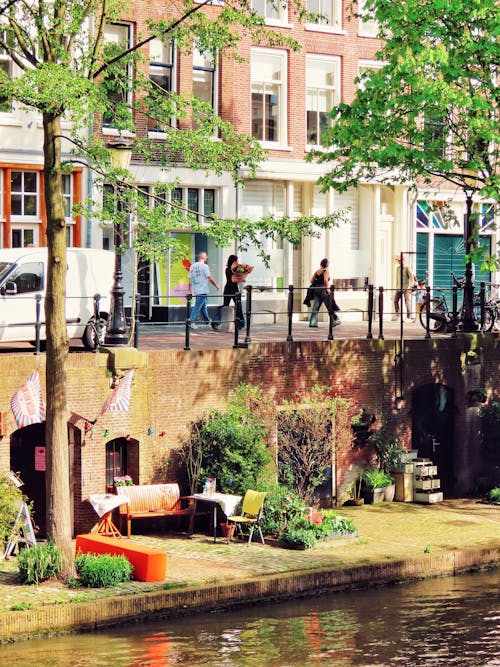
{"x":200,"y":305}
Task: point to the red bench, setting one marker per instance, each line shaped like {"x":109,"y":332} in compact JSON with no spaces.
{"x":149,"y":564}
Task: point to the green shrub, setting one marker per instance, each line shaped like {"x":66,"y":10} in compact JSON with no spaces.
{"x":494,"y":495}
{"x":10,"y":503}
{"x":36,"y":564}
{"x":102,"y":570}
{"x":231,"y":445}
{"x":376,"y":479}
{"x":304,"y":531}
{"x":281,"y":505}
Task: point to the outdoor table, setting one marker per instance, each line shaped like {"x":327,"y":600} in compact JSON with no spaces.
{"x":227,"y":502}
{"x":104,"y":504}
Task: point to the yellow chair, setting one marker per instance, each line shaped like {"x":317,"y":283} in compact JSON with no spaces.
{"x":251,"y":513}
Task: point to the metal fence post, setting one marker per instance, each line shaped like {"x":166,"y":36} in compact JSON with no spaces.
{"x":482,"y":301}
{"x":370,"y":311}
{"x":38,"y":323}
{"x":454,"y":306}
{"x":381,"y":312}
{"x":428,"y":312}
{"x":97,"y":321}
{"x":137,"y":320}
{"x":248,"y":312}
{"x":188,"y":321}
{"x":289,"y":337}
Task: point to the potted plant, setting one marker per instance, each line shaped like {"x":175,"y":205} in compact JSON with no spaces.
{"x":375,"y":482}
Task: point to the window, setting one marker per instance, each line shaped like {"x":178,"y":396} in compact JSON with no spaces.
{"x":116,"y":461}
{"x":271,"y":10}
{"x":435,"y":134}
{"x":204,"y":77}
{"x":6,"y":66}
{"x":322,"y":76}
{"x":161,"y":72}
{"x":367,"y":24}
{"x":327,"y":13}
{"x":68,"y":196}
{"x":269,"y":74}
{"x":24,"y":193}
{"x":118,"y":38}
{"x":28,"y":278}
{"x":22,"y":238}
{"x":365,"y":68}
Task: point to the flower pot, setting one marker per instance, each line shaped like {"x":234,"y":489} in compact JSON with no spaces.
{"x":227,"y":530}
{"x":372,"y":496}
{"x":389,"y":492}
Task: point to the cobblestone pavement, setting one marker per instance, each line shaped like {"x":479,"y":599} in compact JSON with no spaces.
{"x":394,"y":531}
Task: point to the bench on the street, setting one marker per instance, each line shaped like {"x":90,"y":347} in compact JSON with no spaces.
{"x":149,"y":501}
{"x":149,"y":564}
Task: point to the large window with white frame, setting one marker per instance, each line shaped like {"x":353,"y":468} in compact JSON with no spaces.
{"x":119,"y":35}
{"x":24,"y":192}
{"x":273,"y":11}
{"x":322,"y":93}
{"x":367,"y":24}
{"x":205,"y":77}
{"x":269,"y":76}
{"x":161,"y":73}
{"x":324,"y":14}
{"x":6,"y":66}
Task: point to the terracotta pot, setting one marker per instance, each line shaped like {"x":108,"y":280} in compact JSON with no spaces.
{"x":389,"y":492}
{"x":227,"y":530}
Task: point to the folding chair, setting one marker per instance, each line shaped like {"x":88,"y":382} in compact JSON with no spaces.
{"x":251,"y":513}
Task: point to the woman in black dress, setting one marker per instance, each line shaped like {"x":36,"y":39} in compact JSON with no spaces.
{"x":232,"y":290}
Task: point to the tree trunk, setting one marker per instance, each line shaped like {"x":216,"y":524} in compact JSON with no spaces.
{"x":56,"y":428}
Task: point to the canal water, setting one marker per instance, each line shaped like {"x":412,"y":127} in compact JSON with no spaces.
{"x":437,"y":622}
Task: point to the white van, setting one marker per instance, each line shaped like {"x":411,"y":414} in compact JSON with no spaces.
{"x":23,"y":276}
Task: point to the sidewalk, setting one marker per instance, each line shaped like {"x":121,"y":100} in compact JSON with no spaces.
{"x":396,"y":542}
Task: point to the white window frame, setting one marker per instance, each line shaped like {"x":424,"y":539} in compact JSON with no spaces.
{"x":334,"y":88}
{"x":333,"y":8}
{"x":23,"y":217}
{"x":274,"y":12}
{"x":165,"y":46}
{"x":365,"y":66}
{"x":111,"y":33}
{"x":199,"y":66}
{"x":369,"y":28}
{"x":262,"y":56}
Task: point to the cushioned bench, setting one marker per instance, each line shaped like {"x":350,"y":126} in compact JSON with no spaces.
{"x":149,"y":564}
{"x":152,"y":500}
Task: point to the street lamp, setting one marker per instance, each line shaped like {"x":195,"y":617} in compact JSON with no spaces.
{"x":469,"y":320}
{"x":116,"y":329}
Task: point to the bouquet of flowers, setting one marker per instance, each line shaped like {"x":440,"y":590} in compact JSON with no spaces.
{"x":241,"y":269}
{"x":126,"y":480}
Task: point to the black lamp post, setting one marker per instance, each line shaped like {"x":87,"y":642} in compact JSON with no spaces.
{"x":117,"y":330}
{"x":469,"y":320}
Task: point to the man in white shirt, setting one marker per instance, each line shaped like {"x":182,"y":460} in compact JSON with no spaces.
{"x":199,"y":277}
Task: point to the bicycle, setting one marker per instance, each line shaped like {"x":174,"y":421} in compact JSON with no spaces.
{"x":441,"y":318}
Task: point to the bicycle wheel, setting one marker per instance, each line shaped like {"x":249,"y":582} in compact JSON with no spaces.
{"x":489,"y":319}
{"x":437,"y":321}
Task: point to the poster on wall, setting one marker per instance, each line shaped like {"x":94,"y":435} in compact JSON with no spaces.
{"x":40,"y":459}
{"x":175,"y":293}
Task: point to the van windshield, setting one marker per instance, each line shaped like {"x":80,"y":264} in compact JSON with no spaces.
{"x":5,"y":269}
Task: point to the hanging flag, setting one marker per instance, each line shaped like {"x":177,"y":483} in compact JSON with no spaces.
{"x":119,"y":401}
{"x":27,"y":403}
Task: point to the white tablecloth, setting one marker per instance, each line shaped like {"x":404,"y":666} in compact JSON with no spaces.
{"x":105,"y":502}
{"x":227,"y":502}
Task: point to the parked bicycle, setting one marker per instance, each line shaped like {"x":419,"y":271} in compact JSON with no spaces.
{"x":442,"y":319}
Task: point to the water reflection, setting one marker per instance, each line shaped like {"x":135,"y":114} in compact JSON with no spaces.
{"x":452,"y":621}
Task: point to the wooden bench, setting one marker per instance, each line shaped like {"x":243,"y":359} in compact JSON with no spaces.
{"x":149,"y":501}
{"x":149,"y":564}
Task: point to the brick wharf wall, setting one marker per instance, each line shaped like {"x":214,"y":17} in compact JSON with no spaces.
{"x":172,"y":388}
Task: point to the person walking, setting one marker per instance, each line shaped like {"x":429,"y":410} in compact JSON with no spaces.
{"x":199,"y":278}
{"x":404,"y":285}
{"x":232,"y":290}
{"x":320,"y":281}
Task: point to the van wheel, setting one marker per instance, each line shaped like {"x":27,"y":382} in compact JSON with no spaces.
{"x":89,"y":338}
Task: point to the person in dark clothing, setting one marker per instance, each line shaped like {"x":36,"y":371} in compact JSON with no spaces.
{"x":231,"y":290}
{"x":320,"y":281}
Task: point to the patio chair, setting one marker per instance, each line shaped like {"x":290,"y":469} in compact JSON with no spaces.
{"x":251,"y":514}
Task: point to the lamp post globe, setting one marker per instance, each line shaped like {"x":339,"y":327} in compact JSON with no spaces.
{"x":116,"y":330}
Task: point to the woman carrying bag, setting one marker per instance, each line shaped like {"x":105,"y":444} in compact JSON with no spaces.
{"x":320,"y":281}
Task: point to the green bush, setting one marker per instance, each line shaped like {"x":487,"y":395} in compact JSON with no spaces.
{"x":281,"y":505}
{"x":494,"y":495}
{"x":376,"y":479}
{"x":102,"y":570}
{"x":36,"y":564}
{"x":10,"y":503}
{"x":231,"y":445}
{"x":304,"y":531}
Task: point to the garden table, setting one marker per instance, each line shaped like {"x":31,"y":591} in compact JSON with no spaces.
{"x":227,"y":502}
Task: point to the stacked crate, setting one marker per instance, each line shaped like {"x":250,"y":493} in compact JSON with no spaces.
{"x":426,"y":483}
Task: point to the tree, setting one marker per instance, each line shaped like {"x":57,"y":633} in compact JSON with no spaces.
{"x":430,"y":112}
{"x":69,"y":71}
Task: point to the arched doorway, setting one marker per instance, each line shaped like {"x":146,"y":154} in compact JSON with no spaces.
{"x":432,"y":429}
{"x":27,"y":458}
